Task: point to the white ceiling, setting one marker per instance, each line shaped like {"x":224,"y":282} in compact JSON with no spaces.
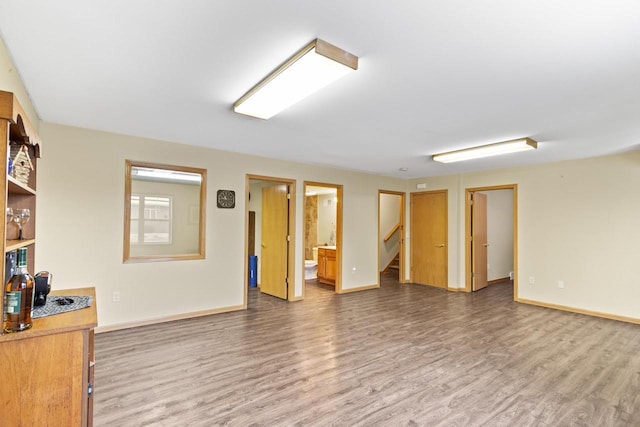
{"x":434,"y":75}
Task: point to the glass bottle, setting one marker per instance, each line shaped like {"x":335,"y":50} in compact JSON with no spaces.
{"x":18,"y":297}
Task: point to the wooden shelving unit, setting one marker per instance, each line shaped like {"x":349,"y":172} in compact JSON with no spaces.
{"x":17,"y":129}
{"x":15,"y":125}
{"x":16,"y":187}
{"x":12,"y":245}
{"x":57,"y":389}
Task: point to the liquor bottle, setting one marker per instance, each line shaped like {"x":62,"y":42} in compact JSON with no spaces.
{"x":10,"y":263}
{"x":18,"y":297}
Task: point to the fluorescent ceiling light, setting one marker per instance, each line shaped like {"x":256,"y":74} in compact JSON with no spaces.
{"x":165,"y":175}
{"x":506,"y":147}
{"x":312,"y":68}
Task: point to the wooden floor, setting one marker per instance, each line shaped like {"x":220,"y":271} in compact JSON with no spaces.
{"x":401,"y":355}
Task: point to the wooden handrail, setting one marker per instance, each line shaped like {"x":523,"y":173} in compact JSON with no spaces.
{"x":393,"y":230}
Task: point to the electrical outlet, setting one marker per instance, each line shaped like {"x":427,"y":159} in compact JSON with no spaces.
{"x":532,"y":280}
{"x":561,"y":284}
{"x":116,"y":296}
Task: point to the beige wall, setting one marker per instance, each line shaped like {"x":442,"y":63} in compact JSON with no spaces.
{"x":10,"y":81}
{"x":577,"y":223}
{"x":499,"y":233}
{"x":83,"y":171}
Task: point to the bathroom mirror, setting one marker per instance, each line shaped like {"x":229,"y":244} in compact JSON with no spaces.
{"x":164,"y":215}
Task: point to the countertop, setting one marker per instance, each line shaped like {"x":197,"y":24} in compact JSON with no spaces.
{"x":85,"y":318}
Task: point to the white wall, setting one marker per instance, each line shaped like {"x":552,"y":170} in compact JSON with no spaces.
{"x":577,"y":222}
{"x":499,"y":233}
{"x":389,"y":218}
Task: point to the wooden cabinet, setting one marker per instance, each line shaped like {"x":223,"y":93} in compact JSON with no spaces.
{"x":47,"y":371}
{"x":327,"y":266}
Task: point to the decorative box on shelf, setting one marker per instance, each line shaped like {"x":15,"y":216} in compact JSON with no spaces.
{"x":22,"y":165}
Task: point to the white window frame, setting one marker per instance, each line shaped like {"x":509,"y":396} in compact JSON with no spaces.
{"x":135,"y":239}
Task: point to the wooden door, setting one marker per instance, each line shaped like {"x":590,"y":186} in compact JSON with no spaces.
{"x":429,"y":261}
{"x":478,"y":241}
{"x":274,"y":253}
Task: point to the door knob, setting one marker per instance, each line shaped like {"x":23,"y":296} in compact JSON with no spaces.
{"x":441,"y":245}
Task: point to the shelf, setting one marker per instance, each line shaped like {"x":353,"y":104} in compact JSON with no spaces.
{"x":12,"y":245}
{"x":16,"y":187}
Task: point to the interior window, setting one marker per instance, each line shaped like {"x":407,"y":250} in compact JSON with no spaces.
{"x":164,"y":212}
{"x":151,"y":222}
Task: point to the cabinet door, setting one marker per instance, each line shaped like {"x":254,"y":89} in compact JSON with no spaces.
{"x":330,"y":265}
{"x":322,"y":262}
{"x":41,"y":380}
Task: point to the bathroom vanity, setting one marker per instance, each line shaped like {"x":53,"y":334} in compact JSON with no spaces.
{"x":327,"y":265}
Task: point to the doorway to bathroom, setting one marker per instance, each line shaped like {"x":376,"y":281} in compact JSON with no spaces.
{"x":322,"y":236}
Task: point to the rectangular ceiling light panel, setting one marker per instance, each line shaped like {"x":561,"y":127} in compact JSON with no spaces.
{"x":164,"y":175}
{"x":506,"y":147}
{"x":314,"y":67}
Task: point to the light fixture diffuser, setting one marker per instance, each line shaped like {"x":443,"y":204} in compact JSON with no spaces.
{"x":164,"y":175}
{"x":312,"y":68}
{"x":496,"y":149}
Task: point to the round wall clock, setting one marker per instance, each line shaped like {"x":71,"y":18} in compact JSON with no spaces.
{"x":226,"y":199}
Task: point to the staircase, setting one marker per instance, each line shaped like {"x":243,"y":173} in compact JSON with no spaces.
{"x":394,"y":264}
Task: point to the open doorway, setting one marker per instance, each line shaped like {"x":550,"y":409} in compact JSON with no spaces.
{"x":491,"y":237}
{"x":323,"y":236}
{"x":391,"y":235}
{"x":270,"y":237}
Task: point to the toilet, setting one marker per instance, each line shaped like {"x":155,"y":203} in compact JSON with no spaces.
{"x":311,"y":266}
